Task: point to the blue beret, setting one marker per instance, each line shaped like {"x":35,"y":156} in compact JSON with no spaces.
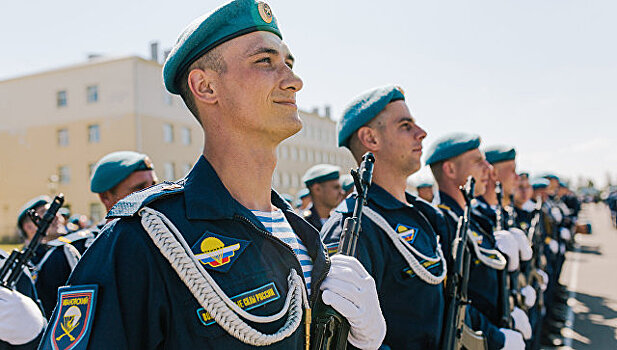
{"x":227,"y":22}
{"x":303,"y":193}
{"x":550,"y":176}
{"x":450,"y":146}
{"x":321,"y":173}
{"x":424,"y":184}
{"x":364,"y":108}
{"x":563,"y":184}
{"x":496,"y":154}
{"x":539,"y":183}
{"x":115,"y":167}
{"x":31,"y":204}
{"x":347,"y":182}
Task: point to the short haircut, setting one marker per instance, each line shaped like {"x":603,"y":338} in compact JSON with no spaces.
{"x":437,"y":170}
{"x":211,"y":60}
{"x":355,"y":146}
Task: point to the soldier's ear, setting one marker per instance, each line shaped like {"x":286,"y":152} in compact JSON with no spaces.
{"x":448,"y":168}
{"x":202,"y":84}
{"x":368,"y":138}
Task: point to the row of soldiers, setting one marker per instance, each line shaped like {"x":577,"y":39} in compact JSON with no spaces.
{"x":220,"y":260}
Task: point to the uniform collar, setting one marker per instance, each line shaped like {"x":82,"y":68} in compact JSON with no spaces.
{"x":448,"y":203}
{"x":385,"y":200}
{"x":207,"y":198}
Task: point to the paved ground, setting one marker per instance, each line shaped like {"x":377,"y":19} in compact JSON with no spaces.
{"x":591,"y":275}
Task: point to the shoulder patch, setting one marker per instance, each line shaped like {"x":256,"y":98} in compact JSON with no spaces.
{"x":332,"y":248}
{"x":73,"y":323}
{"x":131,"y":204}
{"x":218,"y":253}
{"x":246,"y":301}
{"x":407,"y":233}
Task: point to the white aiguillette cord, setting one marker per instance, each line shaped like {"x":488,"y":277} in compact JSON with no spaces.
{"x":497,"y":263}
{"x":406,"y":250}
{"x":209,"y":294}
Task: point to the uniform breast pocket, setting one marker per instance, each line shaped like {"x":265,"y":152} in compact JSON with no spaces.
{"x":259,"y":294}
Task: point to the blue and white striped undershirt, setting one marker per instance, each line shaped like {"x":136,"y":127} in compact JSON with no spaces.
{"x":276,"y":223}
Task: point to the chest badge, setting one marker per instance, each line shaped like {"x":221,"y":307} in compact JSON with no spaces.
{"x":407,"y":233}
{"x":217,"y":252}
{"x":71,"y":328}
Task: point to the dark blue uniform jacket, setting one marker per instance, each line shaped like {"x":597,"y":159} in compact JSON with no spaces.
{"x":141,"y":301}
{"x":483,"y":289}
{"x":413,"y":309}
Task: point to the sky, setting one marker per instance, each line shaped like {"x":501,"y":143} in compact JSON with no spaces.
{"x":538,"y":75}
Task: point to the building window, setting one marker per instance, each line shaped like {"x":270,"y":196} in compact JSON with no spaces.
{"x":169,"y":171}
{"x":276,"y":179}
{"x":294,"y":153}
{"x":61,"y":98}
{"x":93,"y":133}
{"x":63,"y":137}
{"x":96,"y":212}
{"x":168,"y":133}
{"x":309,"y":154}
{"x":285,"y":180}
{"x":186,"y":136}
{"x":92,"y":93}
{"x":302,"y":154}
{"x":284,"y":153}
{"x":64,"y":174}
{"x":294,"y":180}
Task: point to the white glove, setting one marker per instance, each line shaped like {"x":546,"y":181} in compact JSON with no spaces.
{"x":20,"y":318}
{"x":507,"y":244}
{"x":562,"y":248}
{"x":530,"y":295}
{"x":521,"y":322}
{"x":544,"y":282}
{"x":525,"y":251}
{"x":350,"y":290}
{"x":556,"y":213}
{"x":514,"y":340}
{"x":553,"y":246}
{"x":565,"y":234}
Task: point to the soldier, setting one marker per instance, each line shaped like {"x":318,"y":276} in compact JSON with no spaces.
{"x":217,"y":260}
{"x":323,"y":183}
{"x":452,"y":159}
{"x":425,"y":191}
{"x":55,"y":257}
{"x":398,"y":242}
{"x":21,"y":319}
{"x":304,"y":196}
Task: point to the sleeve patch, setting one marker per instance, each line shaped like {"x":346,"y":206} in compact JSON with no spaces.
{"x":73,"y":323}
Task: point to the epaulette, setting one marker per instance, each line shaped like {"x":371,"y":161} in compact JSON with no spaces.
{"x":131,"y":204}
{"x":72,"y":237}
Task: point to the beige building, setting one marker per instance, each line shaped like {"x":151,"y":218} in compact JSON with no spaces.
{"x":55,"y":125}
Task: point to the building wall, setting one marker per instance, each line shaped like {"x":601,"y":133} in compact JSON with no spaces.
{"x":132,"y":112}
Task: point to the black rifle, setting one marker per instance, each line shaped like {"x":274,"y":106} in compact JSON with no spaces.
{"x":456,"y":288}
{"x":534,"y":235}
{"x":507,"y":280}
{"x":330,"y":327}
{"x":14,"y":265}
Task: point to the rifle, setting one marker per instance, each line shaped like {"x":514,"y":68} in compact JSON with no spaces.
{"x":508,"y":281}
{"x":14,"y":265}
{"x":456,"y":333}
{"x":330,"y":327}
{"x":535,"y":238}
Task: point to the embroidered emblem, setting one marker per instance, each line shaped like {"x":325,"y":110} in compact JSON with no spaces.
{"x":148,"y":163}
{"x":406,"y":232}
{"x":400,"y":89}
{"x":73,"y":323}
{"x":429,"y":265}
{"x":246,"y":301}
{"x":217,"y":252}
{"x":265,"y":12}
